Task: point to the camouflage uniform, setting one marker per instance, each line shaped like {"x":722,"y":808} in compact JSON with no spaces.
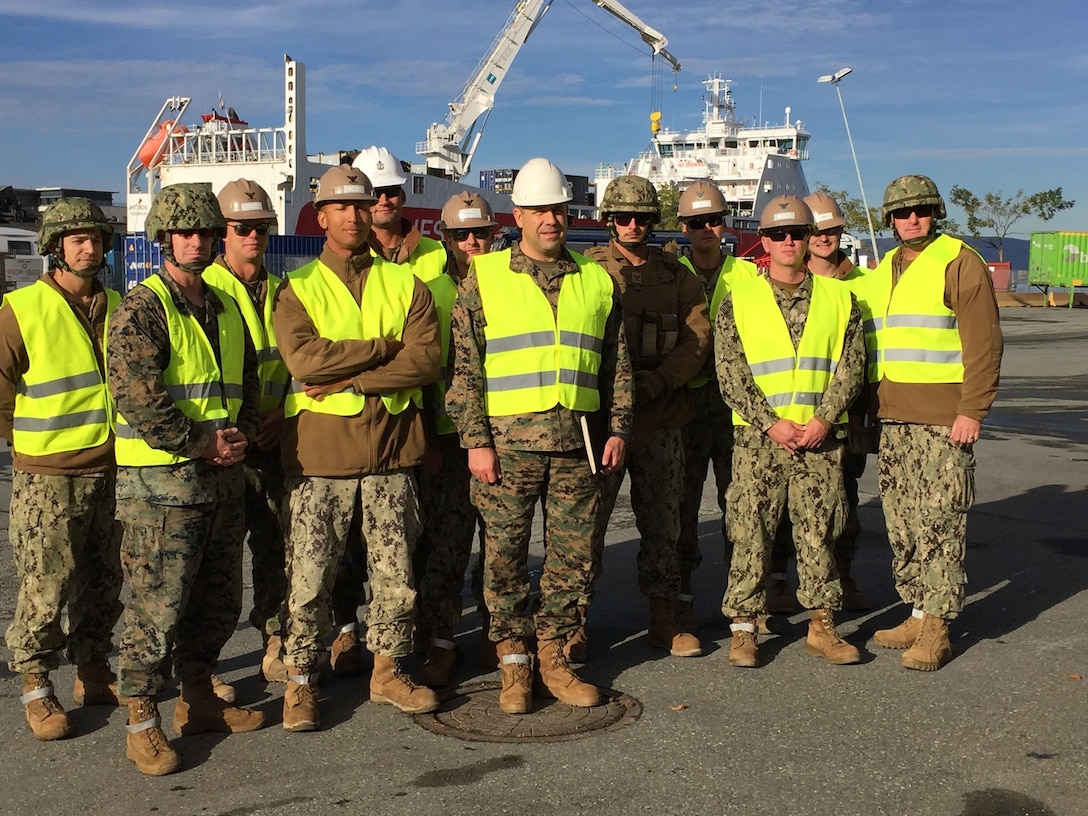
{"x":541,"y":456}
{"x":767,"y":479}
{"x":184,"y":523}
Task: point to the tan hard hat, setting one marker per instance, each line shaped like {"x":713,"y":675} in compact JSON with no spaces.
{"x":785,"y":211}
{"x":701,"y":198}
{"x":826,"y":212}
{"x":245,"y":200}
{"x":467,"y":210}
{"x":343,"y":183}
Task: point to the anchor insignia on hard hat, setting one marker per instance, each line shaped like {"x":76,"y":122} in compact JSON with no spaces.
{"x":380,"y":165}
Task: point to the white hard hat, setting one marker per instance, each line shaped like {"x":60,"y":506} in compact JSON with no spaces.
{"x":540,"y":183}
{"x":381,"y":167}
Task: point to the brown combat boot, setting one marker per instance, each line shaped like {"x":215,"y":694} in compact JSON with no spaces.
{"x":223,"y":690}
{"x":665,"y":633}
{"x":932,"y":649}
{"x":854,"y":598}
{"x":388,"y":684}
{"x":780,"y":598}
{"x":273,"y":669}
{"x":346,"y":654}
{"x":744,"y":649}
{"x":560,"y":680}
{"x":145,"y":743}
{"x":96,"y":684}
{"x":903,"y":635}
{"x":685,"y":606}
{"x":824,"y":641}
{"x":44,"y":714}
{"x":576,"y":646}
{"x":199,"y":710}
{"x":300,"y":711}
{"x":516,"y":696}
{"x":441,"y":659}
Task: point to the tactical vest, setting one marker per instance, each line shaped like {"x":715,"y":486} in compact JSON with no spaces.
{"x":733,"y":271}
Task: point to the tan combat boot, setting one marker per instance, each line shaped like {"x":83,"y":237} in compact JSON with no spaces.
{"x":932,"y":649}
{"x":441,"y":659}
{"x":223,"y":690}
{"x":743,"y":650}
{"x":388,"y":684}
{"x":145,"y":743}
{"x":96,"y":684}
{"x":780,"y":598}
{"x":273,"y":669}
{"x":824,"y":641}
{"x":199,"y":710}
{"x":44,"y":714}
{"x":346,"y":655}
{"x":665,"y":633}
{"x":300,"y":711}
{"x":903,"y":635}
{"x":854,"y":598}
{"x":560,"y":680}
{"x":516,"y":696}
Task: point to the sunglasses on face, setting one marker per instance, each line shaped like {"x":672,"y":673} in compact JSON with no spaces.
{"x":705,"y":221}
{"x":242,"y":230}
{"x":625,"y":219}
{"x":920,"y":210}
{"x":780,"y":235}
{"x":459,"y":235}
{"x":189,"y":233}
{"x":832,"y":231}
{"x":388,"y":192}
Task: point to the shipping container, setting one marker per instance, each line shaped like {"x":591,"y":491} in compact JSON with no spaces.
{"x":1058,"y":259}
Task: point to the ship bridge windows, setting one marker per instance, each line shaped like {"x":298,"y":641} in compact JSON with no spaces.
{"x":419,"y":184}
{"x":666,"y":150}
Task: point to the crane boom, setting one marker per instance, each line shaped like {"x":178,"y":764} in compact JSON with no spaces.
{"x":651,"y":36}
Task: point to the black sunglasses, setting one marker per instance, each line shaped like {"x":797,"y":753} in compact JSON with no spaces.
{"x":920,"y":210}
{"x":388,"y":192}
{"x":704,"y":221}
{"x":780,"y":235}
{"x":459,"y":235}
{"x":242,"y":230}
{"x":625,"y":219}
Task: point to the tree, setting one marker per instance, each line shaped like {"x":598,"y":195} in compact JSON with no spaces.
{"x":996,"y":214}
{"x":669,"y":198}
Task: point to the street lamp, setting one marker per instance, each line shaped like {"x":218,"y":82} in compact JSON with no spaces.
{"x":835,"y":79}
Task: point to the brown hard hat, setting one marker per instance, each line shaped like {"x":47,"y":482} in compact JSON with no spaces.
{"x":826,"y":212}
{"x":785,"y":211}
{"x":467,"y":210}
{"x":344,"y":183}
{"x":701,"y":198}
{"x":245,"y":200}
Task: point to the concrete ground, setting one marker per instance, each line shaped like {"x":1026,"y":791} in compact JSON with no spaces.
{"x":1001,"y":730}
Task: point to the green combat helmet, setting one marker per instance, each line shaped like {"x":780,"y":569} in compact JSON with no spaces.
{"x":908,"y":191}
{"x":72,"y":215}
{"x":630,"y":194}
{"x":180,"y":208}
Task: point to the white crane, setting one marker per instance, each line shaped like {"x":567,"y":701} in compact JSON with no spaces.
{"x":450,"y":145}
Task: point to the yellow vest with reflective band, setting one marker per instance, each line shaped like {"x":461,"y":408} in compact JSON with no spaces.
{"x":62,"y":402}
{"x":865,"y":285}
{"x":204,"y":393}
{"x":733,"y":271}
{"x":917,"y":335}
{"x":792,"y":380}
{"x":537,"y":358}
{"x":387,"y":296}
{"x":270,"y":368}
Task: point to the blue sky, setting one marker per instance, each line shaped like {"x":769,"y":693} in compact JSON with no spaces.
{"x":987,"y":94}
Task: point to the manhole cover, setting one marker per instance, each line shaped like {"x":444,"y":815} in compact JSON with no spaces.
{"x":472,"y":713}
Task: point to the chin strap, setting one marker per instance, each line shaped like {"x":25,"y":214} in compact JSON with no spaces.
{"x":196,"y":268}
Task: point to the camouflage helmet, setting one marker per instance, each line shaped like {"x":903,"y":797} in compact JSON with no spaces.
{"x":343,"y":183}
{"x":701,"y":198}
{"x":467,"y":210}
{"x":785,"y":211}
{"x":907,"y":191}
{"x":630,"y":194}
{"x":826,"y":212}
{"x":245,"y":200}
{"x":72,"y":215}
{"x":181,"y":207}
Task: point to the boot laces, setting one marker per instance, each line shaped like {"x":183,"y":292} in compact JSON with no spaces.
{"x":404,"y":677}
{"x":51,"y":705}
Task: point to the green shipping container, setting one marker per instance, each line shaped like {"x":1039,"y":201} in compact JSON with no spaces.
{"x":1058,"y":259}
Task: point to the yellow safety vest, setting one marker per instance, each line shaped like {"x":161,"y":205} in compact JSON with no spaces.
{"x":193,"y":379}
{"x":792,"y":380}
{"x":535,"y":358}
{"x":271,"y":371}
{"x":867,"y":290}
{"x":917,"y":335}
{"x":733,"y":271}
{"x":387,"y":296}
{"x":62,"y":402}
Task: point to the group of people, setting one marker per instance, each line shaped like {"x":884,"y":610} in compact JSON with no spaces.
{"x":365,"y":415}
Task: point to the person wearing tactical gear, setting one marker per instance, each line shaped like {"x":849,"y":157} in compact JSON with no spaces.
{"x":353,"y":433}
{"x":790,"y":359}
{"x":183,"y":375}
{"x":708,"y":437}
{"x":239,"y":271}
{"x":55,"y":414}
{"x":938,"y":366}
{"x":826,"y":259}
{"x":449,"y":519}
{"x":665,"y":320}
{"x":553,"y":351}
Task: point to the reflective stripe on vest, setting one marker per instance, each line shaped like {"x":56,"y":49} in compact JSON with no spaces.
{"x":62,"y":402}
{"x":733,"y":271}
{"x":536,"y":358}
{"x":792,"y":380}
{"x":208,"y":396}
{"x":387,"y":296}
{"x":271,"y":371}
{"x":919,"y":339}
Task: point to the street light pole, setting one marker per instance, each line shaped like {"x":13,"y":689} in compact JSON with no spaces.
{"x":835,"y":79}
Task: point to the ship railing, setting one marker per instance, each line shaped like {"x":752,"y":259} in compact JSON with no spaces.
{"x":243,"y":146}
